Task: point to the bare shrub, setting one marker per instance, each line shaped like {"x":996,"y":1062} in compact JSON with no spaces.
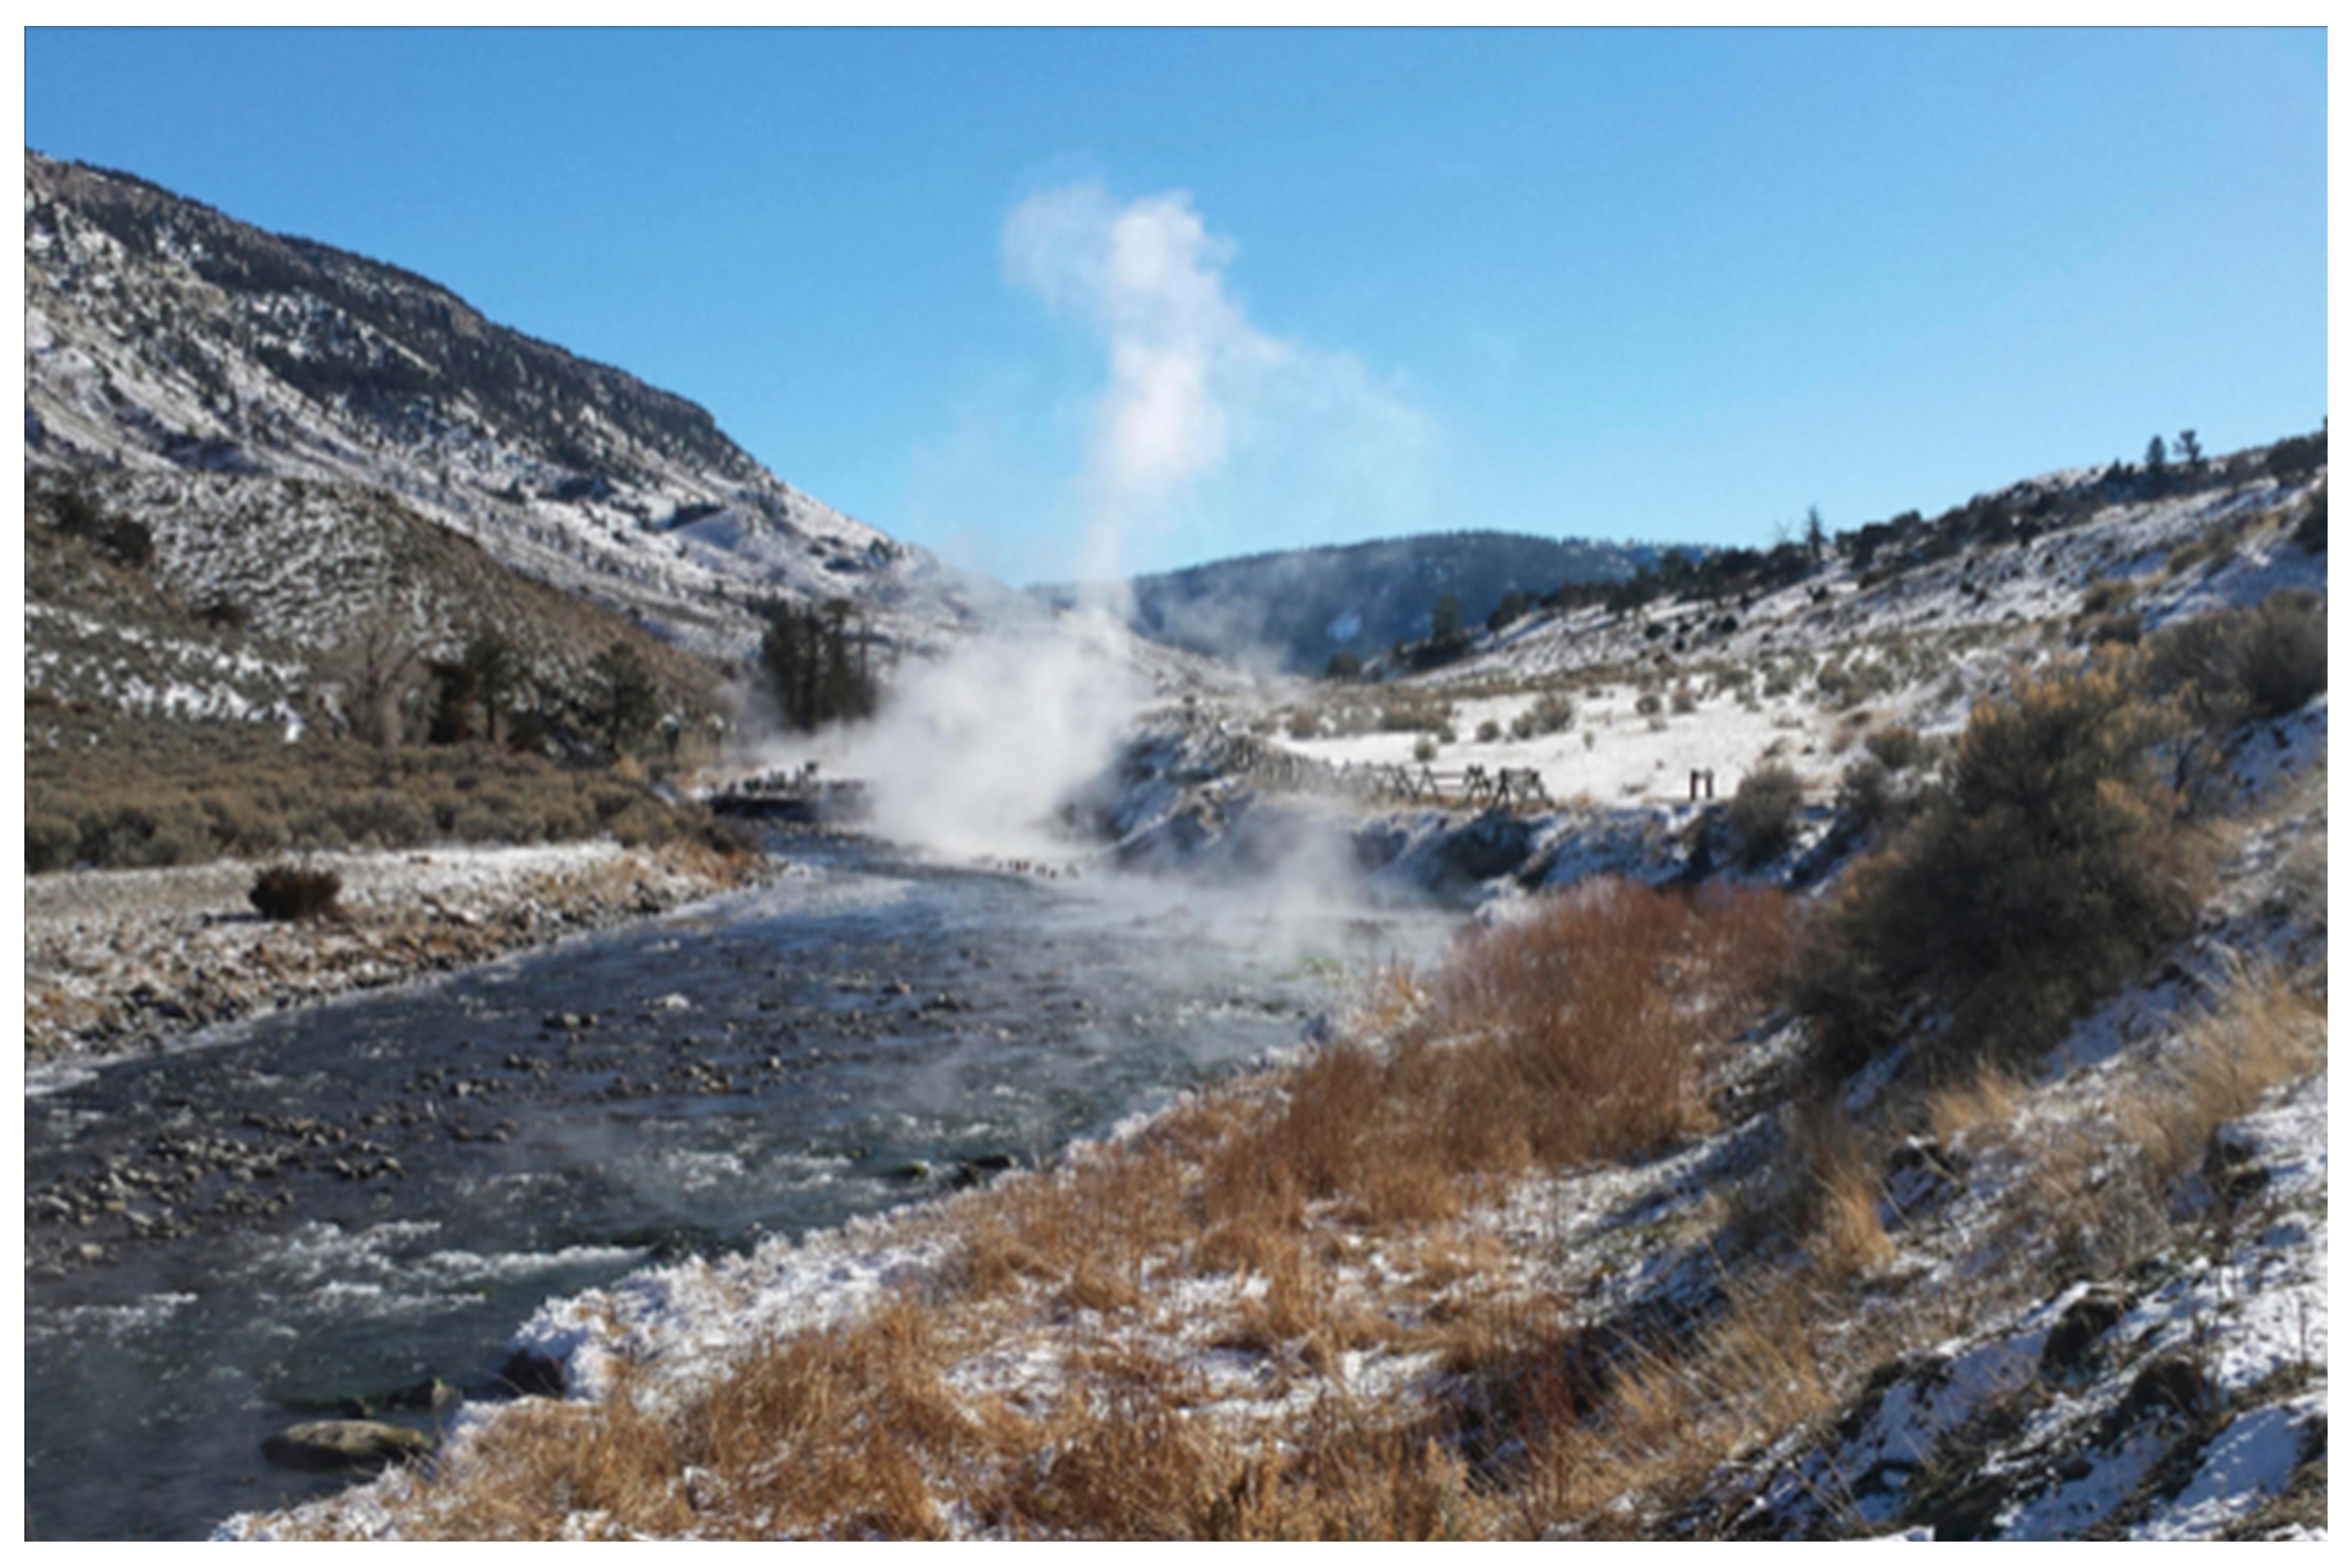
{"x":2123,"y":626}
{"x":2311,"y":528}
{"x":49,"y":841}
{"x":2108,"y":595}
{"x":1896,"y":747}
{"x":290,"y":893}
{"x":1763,"y":812}
{"x":2256,"y":662}
{"x":2042,"y":871}
{"x":378,"y":665}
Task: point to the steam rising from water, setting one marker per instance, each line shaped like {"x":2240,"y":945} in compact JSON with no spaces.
{"x":972,"y":756}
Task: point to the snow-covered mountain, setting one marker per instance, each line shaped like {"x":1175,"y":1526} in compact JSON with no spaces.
{"x":163,"y":337}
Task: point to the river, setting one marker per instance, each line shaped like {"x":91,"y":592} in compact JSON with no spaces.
{"x":329,"y":1203}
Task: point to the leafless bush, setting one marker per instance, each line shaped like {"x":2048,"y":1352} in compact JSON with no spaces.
{"x":290,"y":893}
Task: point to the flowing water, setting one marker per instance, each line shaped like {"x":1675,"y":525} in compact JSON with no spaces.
{"x":326,"y":1204}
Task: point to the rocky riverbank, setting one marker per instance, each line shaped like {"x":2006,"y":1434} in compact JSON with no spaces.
{"x":121,"y":961}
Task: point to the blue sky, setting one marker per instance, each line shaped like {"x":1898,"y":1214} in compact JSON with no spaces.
{"x":1049,"y":302}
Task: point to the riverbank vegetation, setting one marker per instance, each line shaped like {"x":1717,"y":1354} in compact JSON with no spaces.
{"x":1543,"y":1240}
{"x":134,"y":792}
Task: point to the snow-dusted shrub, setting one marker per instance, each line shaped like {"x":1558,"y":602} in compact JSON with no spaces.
{"x":1489,"y":731}
{"x":1763,"y":812}
{"x":2256,"y":662}
{"x":1548,"y":715}
{"x":2045,"y":868}
{"x":1424,"y":749}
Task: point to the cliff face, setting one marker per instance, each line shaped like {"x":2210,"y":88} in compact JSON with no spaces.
{"x":162,"y":335}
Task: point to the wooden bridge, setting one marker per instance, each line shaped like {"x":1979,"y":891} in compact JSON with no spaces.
{"x":796,"y":795}
{"x":1475,"y":786}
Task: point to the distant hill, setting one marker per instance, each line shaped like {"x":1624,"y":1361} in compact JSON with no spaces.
{"x":1294,"y":609}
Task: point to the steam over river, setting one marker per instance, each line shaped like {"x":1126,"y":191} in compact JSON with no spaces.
{"x":378,"y":1192}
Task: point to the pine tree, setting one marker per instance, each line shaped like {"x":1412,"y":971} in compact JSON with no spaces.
{"x":495,"y":669}
{"x":622,"y":703}
{"x":811,"y":668}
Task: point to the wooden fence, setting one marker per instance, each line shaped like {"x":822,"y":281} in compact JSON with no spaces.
{"x":1273,"y":768}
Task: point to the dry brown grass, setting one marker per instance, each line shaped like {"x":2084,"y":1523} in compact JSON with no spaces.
{"x":167,"y":793}
{"x":1972,"y":1105}
{"x":1580,"y":1037}
{"x":1849,"y":1236}
{"x":2265,"y":1031}
{"x":1676,"y":1411}
{"x":860,"y":1429}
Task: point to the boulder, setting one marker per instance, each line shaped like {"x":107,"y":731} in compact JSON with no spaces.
{"x":344,"y":1445}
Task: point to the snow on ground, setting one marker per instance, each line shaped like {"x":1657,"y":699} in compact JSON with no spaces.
{"x":1799,"y":674}
{"x":1614,"y":754}
{"x":64,"y":902}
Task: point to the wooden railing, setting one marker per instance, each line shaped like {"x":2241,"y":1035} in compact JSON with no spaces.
{"x":1273,"y":768}
{"x":799,"y":795}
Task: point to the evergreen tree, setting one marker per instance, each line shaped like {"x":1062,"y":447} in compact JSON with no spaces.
{"x":495,"y":669}
{"x":813,"y":671}
{"x":621,"y":703}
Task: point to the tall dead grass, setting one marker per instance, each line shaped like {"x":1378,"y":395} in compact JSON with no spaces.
{"x":1581,"y":1035}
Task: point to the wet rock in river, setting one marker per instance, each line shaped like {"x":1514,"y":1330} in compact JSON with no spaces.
{"x":530,"y":1371}
{"x":344,"y":1445}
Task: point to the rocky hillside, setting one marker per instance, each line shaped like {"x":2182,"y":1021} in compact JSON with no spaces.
{"x":1295,"y":609}
{"x":163,"y":339}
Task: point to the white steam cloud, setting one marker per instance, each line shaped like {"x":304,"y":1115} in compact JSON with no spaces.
{"x":973,"y":755}
{"x":1194,"y":385}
